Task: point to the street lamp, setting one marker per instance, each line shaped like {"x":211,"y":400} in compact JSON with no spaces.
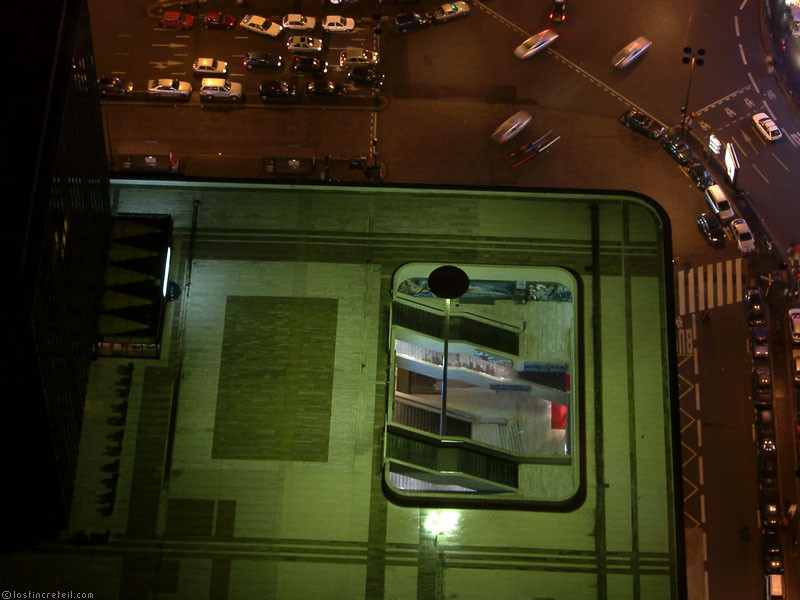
{"x":690,"y":59}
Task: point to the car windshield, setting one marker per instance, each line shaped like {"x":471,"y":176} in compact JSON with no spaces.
{"x":724,"y":205}
{"x":745,"y":236}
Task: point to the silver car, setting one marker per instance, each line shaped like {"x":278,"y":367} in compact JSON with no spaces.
{"x":169,"y":88}
{"x":303,"y":43}
{"x":630,"y":52}
{"x":205,"y":67}
{"x":448,"y":12}
{"x":220,"y":89}
{"x":511,"y":126}
{"x":535,"y":43}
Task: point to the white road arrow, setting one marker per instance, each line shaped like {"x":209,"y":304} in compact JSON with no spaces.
{"x":165,"y":64}
{"x":170,"y":45}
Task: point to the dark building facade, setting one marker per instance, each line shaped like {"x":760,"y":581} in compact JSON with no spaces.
{"x":56,"y":237}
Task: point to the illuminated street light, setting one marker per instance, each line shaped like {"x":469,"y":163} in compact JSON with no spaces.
{"x":690,"y":59}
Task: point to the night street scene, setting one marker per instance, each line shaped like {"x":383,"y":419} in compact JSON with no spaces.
{"x":387,"y":299}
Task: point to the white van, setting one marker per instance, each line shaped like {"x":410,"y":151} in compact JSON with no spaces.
{"x":719,"y":203}
{"x":774,"y":587}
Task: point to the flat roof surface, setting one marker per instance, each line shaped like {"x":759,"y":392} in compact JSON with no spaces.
{"x":251,"y":461}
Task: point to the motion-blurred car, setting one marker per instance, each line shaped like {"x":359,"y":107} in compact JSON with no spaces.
{"x":309,"y":64}
{"x":325,"y":89}
{"x":678,"y":148}
{"x":114,"y":87}
{"x":638,"y":121}
{"x":558,"y":13}
{"x":366,"y":76}
{"x":260,"y":25}
{"x":711,"y":229}
{"x":218,"y":20}
{"x":303,"y":43}
{"x":275,"y":89}
{"x":298,"y":22}
{"x":511,"y":126}
{"x":357,"y":57}
{"x":770,"y":507}
{"x":448,"y":12}
{"x":535,"y":43}
{"x":754,"y":305}
{"x":630,"y":52}
{"x":699,"y":174}
{"x":767,"y":127}
{"x":794,"y":324}
{"x":209,"y":67}
{"x":214,"y":88}
{"x":744,"y":239}
{"x":411,"y":21}
{"x":759,"y":342}
{"x":169,"y":88}
{"x":262,"y":60}
{"x":176,"y":20}
{"x":338,"y":24}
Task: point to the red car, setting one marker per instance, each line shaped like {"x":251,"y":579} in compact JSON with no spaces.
{"x":218,"y":20}
{"x":177,"y":20}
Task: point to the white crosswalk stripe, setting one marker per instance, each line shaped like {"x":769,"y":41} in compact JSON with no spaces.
{"x":709,"y":286}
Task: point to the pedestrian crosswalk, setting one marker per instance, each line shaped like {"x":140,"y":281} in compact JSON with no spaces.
{"x":709,"y":286}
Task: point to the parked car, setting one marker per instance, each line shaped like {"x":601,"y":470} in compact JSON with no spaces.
{"x":762,"y":388}
{"x":558,"y":13}
{"x":765,"y":426}
{"x":678,"y":148}
{"x":744,"y":239}
{"x":204,"y":67}
{"x":357,"y":57}
{"x":759,"y":341}
{"x":794,"y":324}
{"x":303,"y":44}
{"x":366,"y":76}
{"x":535,"y":43}
{"x":169,"y":88}
{"x":449,"y":11}
{"x":218,"y":20}
{"x":325,"y":89}
{"x":262,"y":60}
{"x":309,"y":64}
{"x":754,"y":305}
{"x":766,"y":127}
{"x":711,"y":228}
{"x":796,"y":366}
{"x":771,"y":552}
{"x":176,"y":20}
{"x":767,"y":470}
{"x":642,"y":123}
{"x":511,"y":126}
{"x":769,"y":507}
{"x":114,"y":87}
{"x":630,"y":52}
{"x":699,"y":174}
{"x":214,"y":88}
{"x":719,"y":203}
{"x":338,"y":24}
{"x":411,"y":21}
{"x":276,"y":89}
{"x":260,"y":25}
{"x":298,"y":22}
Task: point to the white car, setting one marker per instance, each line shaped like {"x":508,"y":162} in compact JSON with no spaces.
{"x":535,"y":43}
{"x":744,"y":239}
{"x":213,"y":88}
{"x":511,"y":126}
{"x":298,"y":22}
{"x":169,"y":88}
{"x":260,"y":25}
{"x":357,"y":57}
{"x":630,"y":52}
{"x":336,"y":23}
{"x":794,"y":324}
{"x":303,"y":43}
{"x":449,"y":11}
{"x":767,"y":127}
{"x":210,"y":67}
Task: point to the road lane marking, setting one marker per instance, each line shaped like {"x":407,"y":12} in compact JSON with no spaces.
{"x":736,"y":25}
{"x":701,"y":297}
{"x":691,"y":290}
{"x":739,"y":146}
{"x":753,"y":81}
{"x":780,"y":162}
{"x":769,"y":110}
{"x":710,"y":280}
{"x":681,"y":297}
{"x":794,"y":138}
{"x":697,"y":401}
{"x":739,"y":279}
{"x":702,"y":508}
{"x":723,"y":99}
{"x":729,"y":271}
{"x":760,"y":173}
{"x":720,"y":297}
{"x":741,"y":51}
{"x":699,"y":436}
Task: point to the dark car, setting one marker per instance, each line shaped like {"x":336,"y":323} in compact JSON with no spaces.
{"x":678,"y":148}
{"x":771,"y":552}
{"x":218,"y":20}
{"x":309,"y":64}
{"x":558,"y":13}
{"x":411,"y":21}
{"x":325,"y":89}
{"x":275,"y":89}
{"x":762,"y":388}
{"x":114,"y":87}
{"x":699,"y":174}
{"x":367,"y":76}
{"x":759,"y":341}
{"x":765,"y":426}
{"x":640,"y":122}
{"x":754,"y":304}
{"x":767,"y":469}
{"x":711,"y":229}
{"x":770,"y":507}
{"x":263,"y":60}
